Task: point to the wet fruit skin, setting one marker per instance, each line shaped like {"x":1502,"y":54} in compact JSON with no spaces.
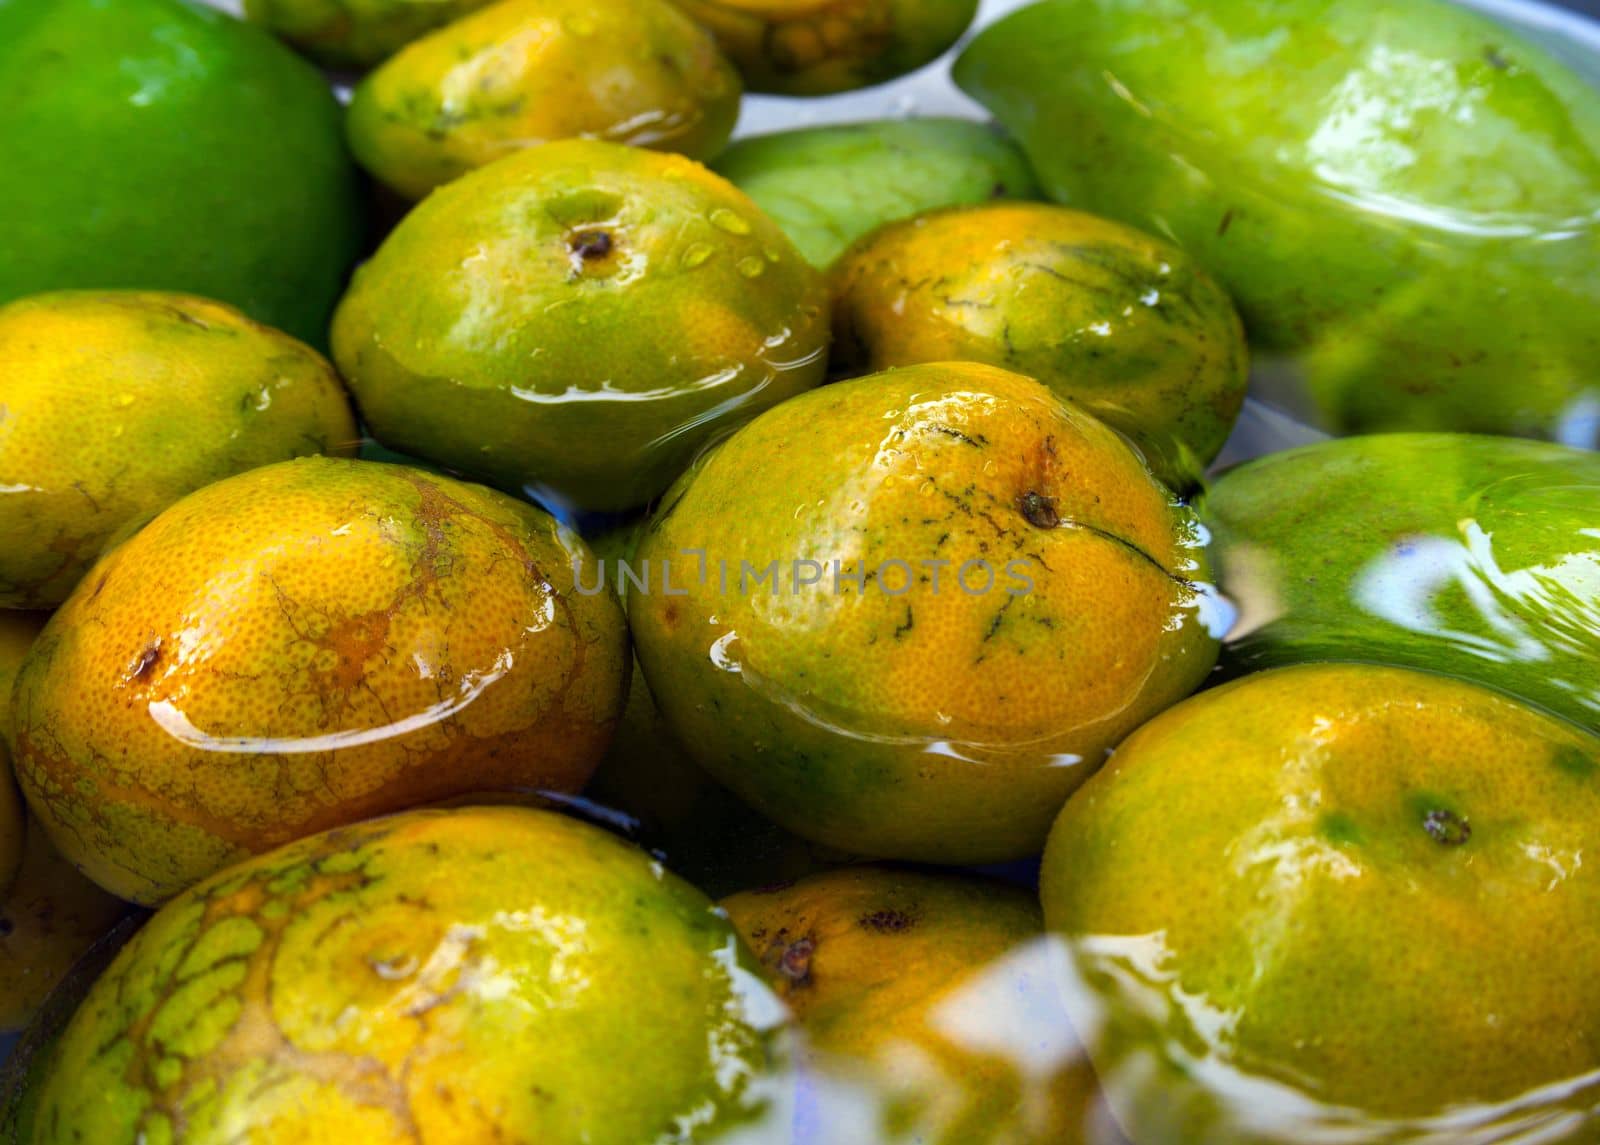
{"x":355,"y":34}
{"x":306,"y":645}
{"x":525,"y":72}
{"x":828,"y":186}
{"x":1399,"y":197}
{"x":51,"y":914}
{"x":1124,"y":324}
{"x":1376,"y":874}
{"x":117,"y":403}
{"x":818,"y":47}
{"x":435,"y":976}
{"x":885,"y":969}
{"x":1475,"y":556}
{"x":577,"y":320}
{"x":161,"y":145}
{"x":705,"y":833}
{"x":891,"y":718}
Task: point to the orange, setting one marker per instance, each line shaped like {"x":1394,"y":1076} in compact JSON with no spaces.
{"x":576,"y":320}
{"x":306,"y":645}
{"x":521,"y":73}
{"x":1121,"y":322}
{"x":1338,"y":898}
{"x":471,"y":976}
{"x":117,"y":403}
{"x":930,"y":991}
{"x":933,"y":599}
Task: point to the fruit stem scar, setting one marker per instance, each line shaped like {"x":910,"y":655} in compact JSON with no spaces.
{"x":1446,"y":828}
{"x":795,"y":961}
{"x":591,"y":245}
{"x":1038,"y":510}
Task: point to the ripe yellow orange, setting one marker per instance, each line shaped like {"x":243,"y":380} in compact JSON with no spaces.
{"x":933,"y":598}
{"x":306,"y":645}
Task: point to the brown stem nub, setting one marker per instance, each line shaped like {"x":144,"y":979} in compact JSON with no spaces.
{"x":1039,"y":510}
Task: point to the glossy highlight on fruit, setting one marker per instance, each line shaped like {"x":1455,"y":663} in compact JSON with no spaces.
{"x":576,"y":320}
{"x":934,"y":991}
{"x":525,"y":72}
{"x":1337,"y":902}
{"x":1474,"y":556}
{"x":355,"y":34}
{"x":1400,"y":195}
{"x":303,"y":646}
{"x":828,"y":186}
{"x":434,"y":976}
{"x":117,"y":403}
{"x":1124,"y":324}
{"x":818,"y":47}
{"x":906,"y":615}
{"x":163,"y":145}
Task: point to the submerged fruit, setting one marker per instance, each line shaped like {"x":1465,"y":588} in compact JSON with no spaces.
{"x":306,"y":645}
{"x":906,"y":615}
{"x":525,"y":72}
{"x":817,"y":47}
{"x":828,"y":186}
{"x":489,"y":974}
{"x":1474,"y":556}
{"x":1125,"y":325}
{"x":1338,"y":902}
{"x":576,"y":319}
{"x":162,"y":145}
{"x":117,"y":403}
{"x":928,"y":990}
{"x":1400,"y":195}
{"x":355,"y":33}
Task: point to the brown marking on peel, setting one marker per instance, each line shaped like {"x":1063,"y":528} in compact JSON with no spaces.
{"x":1038,"y":510}
{"x":794,"y":961}
{"x":888,"y":921}
{"x":1446,"y":828}
{"x":1227,"y":221}
{"x":144,"y":660}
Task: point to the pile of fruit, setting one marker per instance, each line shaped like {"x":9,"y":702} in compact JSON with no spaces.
{"x":522,"y":620}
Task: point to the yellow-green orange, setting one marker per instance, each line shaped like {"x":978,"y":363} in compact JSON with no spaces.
{"x":524,"y":72}
{"x":1370,"y":885}
{"x":577,"y":319}
{"x":302,"y":646}
{"x":817,"y":47}
{"x":1124,"y":324}
{"x":115,"y":404}
{"x":355,"y":33}
{"x":969,"y":591}
{"x":488,"y":974}
{"x":924,"y":987}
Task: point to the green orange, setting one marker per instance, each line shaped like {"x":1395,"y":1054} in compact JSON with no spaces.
{"x":576,"y":320}
{"x":907,"y":615}
{"x":1337,"y":897}
{"x":306,"y":645}
{"x":355,"y":33}
{"x":163,"y":145}
{"x":487,"y":974}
